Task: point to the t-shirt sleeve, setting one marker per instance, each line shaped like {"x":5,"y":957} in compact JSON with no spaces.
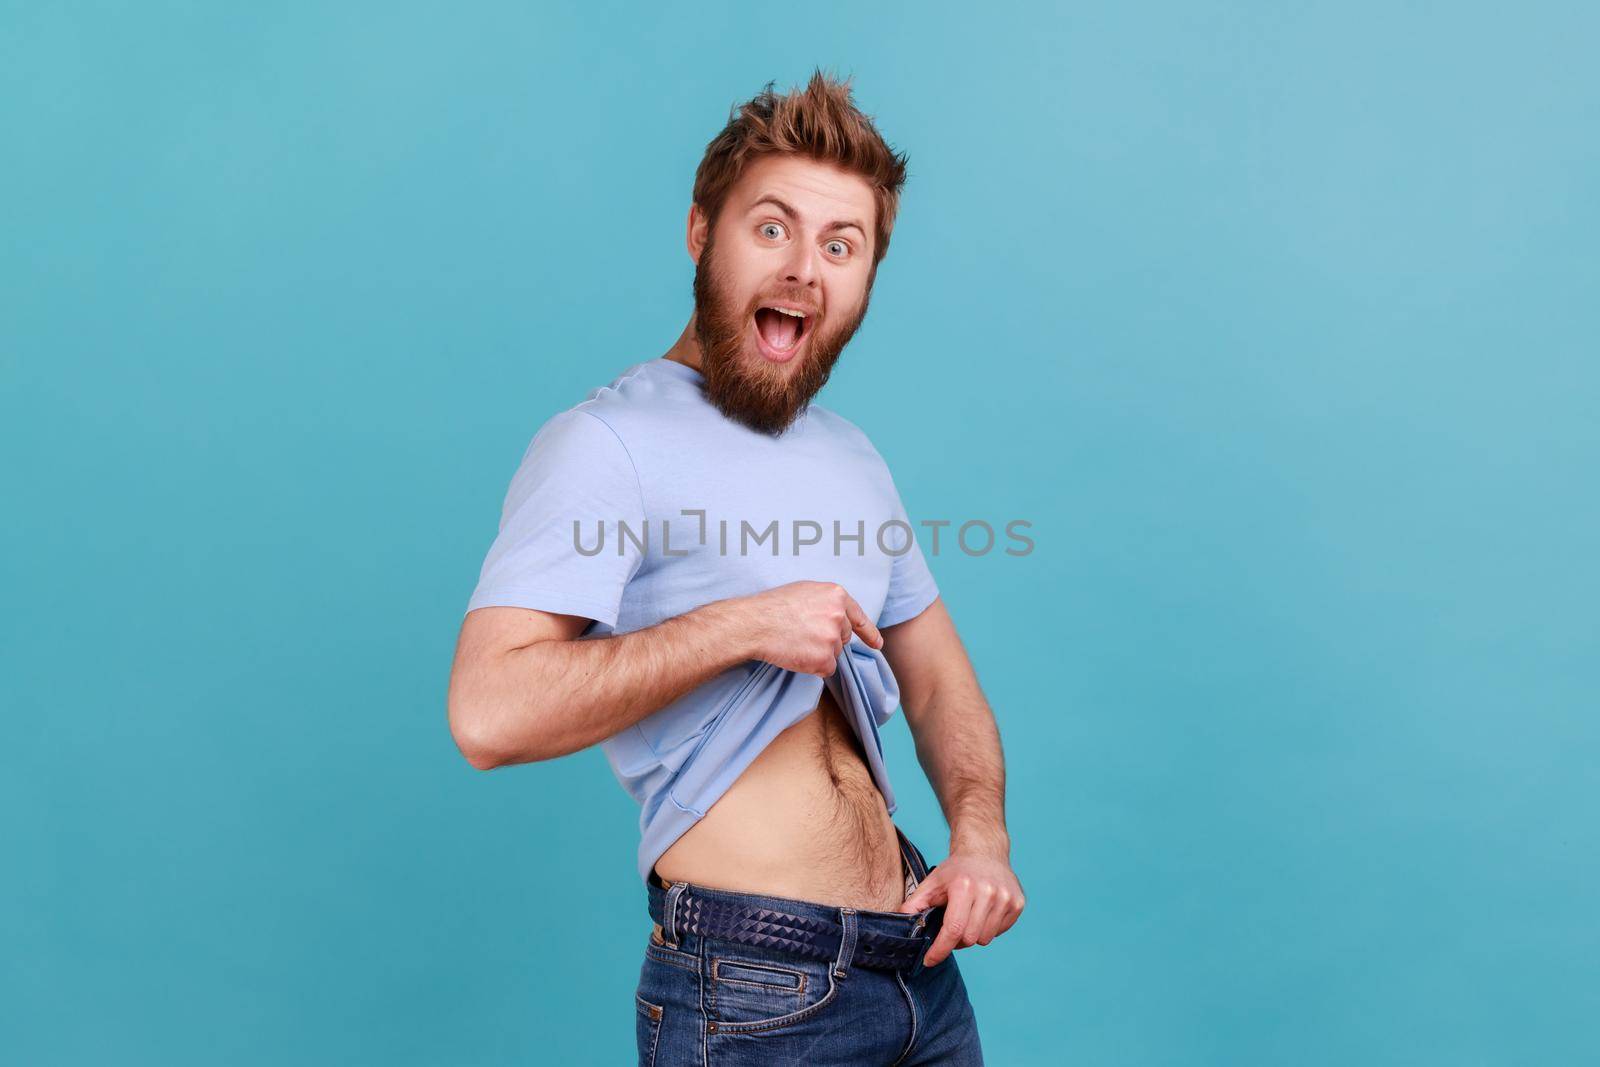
{"x":911,"y":584}
{"x":576,"y":470}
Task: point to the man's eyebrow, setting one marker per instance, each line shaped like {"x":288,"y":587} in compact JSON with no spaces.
{"x":837,"y":224}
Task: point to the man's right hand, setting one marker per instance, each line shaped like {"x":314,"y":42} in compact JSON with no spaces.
{"x":803,"y":626}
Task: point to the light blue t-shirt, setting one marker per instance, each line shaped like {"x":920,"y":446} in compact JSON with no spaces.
{"x":676,"y":506}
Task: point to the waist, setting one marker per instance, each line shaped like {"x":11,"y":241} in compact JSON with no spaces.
{"x":805,"y":820}
{"x":879,"y":939}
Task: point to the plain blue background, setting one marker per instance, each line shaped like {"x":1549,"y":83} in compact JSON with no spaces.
{"x":1278,"y":321}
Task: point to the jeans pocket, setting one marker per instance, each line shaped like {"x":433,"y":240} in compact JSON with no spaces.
{"x":758,"y":992}
{"x":648,"y":1029}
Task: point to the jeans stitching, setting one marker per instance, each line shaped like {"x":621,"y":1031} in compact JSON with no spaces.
{"x":798,"y":976}
{"x":674,"y":959}
{"x":718,"y":1027}
{"x":653,"y":1012}
{"x":911,"y":1003}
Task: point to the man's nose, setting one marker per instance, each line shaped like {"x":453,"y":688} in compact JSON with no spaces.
{"x":802,"y":266}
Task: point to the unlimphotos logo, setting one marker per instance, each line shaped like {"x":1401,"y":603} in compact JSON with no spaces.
{"x":892,"y":537}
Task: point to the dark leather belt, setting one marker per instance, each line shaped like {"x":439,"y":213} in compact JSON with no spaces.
{"x":802,"y":935}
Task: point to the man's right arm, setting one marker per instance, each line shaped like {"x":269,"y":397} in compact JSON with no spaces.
{"x":525,"y":687}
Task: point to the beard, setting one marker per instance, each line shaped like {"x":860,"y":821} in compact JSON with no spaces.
{"x":766,"y":397}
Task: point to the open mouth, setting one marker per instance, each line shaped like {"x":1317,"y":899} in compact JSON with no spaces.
{"x":779,"y":332}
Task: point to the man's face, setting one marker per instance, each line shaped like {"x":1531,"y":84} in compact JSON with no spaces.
{"x":796,"y":233}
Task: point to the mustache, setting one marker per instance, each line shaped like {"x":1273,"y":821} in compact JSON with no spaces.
{"x":799,"y":300}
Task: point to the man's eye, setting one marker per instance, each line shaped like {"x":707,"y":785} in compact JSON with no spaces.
{"x":843,"y":248}
{"x":765,"y":226}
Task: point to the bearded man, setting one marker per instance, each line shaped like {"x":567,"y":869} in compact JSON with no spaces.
{"x":714,"y":578}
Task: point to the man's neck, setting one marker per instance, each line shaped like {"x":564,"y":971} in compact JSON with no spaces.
{"x":686,"y":349}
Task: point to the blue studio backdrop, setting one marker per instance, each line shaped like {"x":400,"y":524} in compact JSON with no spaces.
{"x":1277,"y":322}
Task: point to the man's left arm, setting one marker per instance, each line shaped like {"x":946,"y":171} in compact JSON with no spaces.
{"x":958,"y":745}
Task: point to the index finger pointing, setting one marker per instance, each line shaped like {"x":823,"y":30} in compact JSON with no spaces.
{"x":861,"y":624}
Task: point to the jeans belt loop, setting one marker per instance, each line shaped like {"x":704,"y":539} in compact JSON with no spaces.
{"x":669,"y":913}
{"x":847,"y":943}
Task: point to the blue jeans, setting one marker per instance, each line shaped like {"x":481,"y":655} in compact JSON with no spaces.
{"x":711,"y":1002}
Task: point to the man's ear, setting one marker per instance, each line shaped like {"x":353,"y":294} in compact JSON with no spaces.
{"x":695,"y":239}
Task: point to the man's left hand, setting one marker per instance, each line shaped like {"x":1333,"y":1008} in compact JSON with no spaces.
{"x":982,"y":899}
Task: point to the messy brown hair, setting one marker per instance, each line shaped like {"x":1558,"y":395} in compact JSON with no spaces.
{"x":820,"y":122}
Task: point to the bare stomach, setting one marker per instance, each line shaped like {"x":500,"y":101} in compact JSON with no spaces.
{"x":804,"y":820}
